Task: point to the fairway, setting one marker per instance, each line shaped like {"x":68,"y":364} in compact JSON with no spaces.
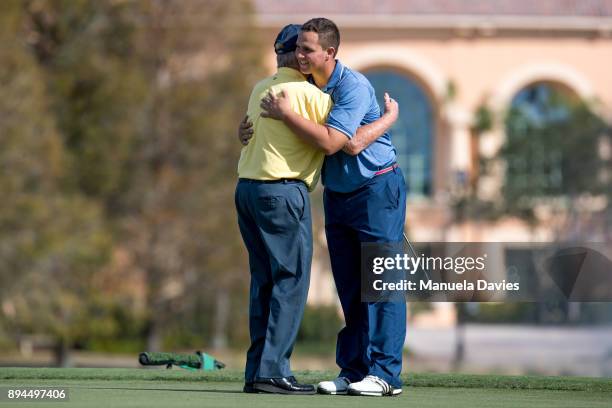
{"x":148,"y":388}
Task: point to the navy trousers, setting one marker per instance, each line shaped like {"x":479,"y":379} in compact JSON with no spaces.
{"x":372,"y":340}
{"x":276,"y":226}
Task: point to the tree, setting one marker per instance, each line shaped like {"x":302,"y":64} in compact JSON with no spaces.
{"x":140,"y":100}
{"x":556,"y":172}
{"x":52,"y":242}
{"x":552,"y":158}
{"x":96,"y":88}
{"x":202,"y":59}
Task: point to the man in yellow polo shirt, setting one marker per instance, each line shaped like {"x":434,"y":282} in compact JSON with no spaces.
{"x":276,"y":170}
{"x":276,"y":152}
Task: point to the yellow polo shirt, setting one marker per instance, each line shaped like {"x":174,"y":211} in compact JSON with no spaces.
{"x":275,"y":152}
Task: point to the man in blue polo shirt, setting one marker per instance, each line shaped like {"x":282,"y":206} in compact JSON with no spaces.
{"x":364,"y":201}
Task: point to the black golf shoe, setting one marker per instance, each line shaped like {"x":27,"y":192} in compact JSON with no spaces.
{"x":248,"y":388}
{"x":286,"y":385}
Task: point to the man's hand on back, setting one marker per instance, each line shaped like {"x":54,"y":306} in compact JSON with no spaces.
{"x":322,"y":137}
{"x":245,"y":131}
{"x":275,"y":106}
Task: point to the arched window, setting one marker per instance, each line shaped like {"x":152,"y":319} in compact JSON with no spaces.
{"x":534,"y":132}
{"x":542,"y":103}
{"x":412,"y":134}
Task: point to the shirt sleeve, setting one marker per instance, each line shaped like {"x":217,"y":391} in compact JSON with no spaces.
{"x":349,"y":110}
{"x":323,"y":104}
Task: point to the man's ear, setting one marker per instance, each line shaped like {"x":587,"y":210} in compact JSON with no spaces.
{"x":330,"y":53}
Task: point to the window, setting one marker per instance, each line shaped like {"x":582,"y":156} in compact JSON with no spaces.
{"x":534,"y":129}
{"x":412,"y":134}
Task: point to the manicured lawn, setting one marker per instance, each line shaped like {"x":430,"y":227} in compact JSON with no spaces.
{"x":179,"y":388}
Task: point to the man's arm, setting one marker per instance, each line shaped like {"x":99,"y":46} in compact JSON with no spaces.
{"x":325,"y":138}
{"x":367,"y":134}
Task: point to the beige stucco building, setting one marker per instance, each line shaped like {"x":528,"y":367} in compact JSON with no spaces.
{"x":461,"y":55}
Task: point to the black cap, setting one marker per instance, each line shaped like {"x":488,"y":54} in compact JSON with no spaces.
{"x":286,"y":39}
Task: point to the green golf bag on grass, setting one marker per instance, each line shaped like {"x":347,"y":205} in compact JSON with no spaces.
{"x":197,"y":361}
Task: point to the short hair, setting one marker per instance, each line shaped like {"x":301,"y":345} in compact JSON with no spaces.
{"x":287,"y":60}
{"x":329,"y":35}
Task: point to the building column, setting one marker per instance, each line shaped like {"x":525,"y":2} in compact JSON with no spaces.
{"x":459,"y":123}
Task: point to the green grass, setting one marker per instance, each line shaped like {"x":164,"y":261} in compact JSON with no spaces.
{"x":410,"y":380}
{"x":179,"y":388}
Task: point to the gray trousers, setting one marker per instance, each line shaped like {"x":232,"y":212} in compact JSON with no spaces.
{"x":276,"y":226}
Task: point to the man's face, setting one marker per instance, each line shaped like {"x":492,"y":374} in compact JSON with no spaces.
{"x":310,"y":55}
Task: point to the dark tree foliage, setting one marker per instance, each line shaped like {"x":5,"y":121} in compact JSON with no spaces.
{"x":118,"y":150}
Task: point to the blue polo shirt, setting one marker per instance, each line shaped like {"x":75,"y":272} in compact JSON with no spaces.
{"x":354,"y":105}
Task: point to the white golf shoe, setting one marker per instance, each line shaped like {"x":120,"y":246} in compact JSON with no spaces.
{"x":337,"y":386}
{"x":374,"y":387}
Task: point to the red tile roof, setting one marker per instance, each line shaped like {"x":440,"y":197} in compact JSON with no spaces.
{"x":530,"y":8}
